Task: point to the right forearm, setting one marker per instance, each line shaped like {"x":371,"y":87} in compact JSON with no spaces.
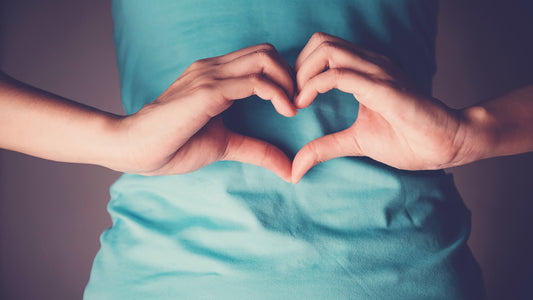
{"x":499,"y":127}
{"x":41,"y":124}
{"x":177,"y":133}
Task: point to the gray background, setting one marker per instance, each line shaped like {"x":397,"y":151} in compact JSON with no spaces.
{"x":51,"y":214}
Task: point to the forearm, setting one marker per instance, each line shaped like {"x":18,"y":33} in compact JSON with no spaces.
{"x":499,"y":127}
{"x":41,"y":124}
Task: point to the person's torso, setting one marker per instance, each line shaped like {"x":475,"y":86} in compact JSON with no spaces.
{"x":352,"y":226}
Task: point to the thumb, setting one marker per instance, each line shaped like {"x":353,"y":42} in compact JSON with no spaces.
{"x":256,"y":152}
{"x":342,"y":143}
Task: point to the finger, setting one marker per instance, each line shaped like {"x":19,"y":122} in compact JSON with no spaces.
{"x":241,"y":52}
{"x":342,"y":143}
{"x":209,"y":62}
{"x":321,"y":37}
{"x":330,"y":55}
{"x":346,"y":80}
{"x":266,"y":61}
{"x":255,"y":84}
{"x":253,"y":151}
{"x":316,"y":39}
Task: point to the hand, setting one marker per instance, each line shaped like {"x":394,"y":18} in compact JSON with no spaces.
{"x":396,"y":124}
{"x":181,"y":131}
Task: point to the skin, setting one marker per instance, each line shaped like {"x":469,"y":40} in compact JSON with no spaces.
{"x":181,"y":131}
{"x":397,"y":124}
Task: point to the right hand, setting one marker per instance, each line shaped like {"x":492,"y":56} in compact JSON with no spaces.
{"x":180,"y":131}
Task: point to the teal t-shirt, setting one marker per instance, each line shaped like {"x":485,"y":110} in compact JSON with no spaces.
{"x":351,"y":229}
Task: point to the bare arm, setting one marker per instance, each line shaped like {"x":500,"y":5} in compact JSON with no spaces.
{"x":178,"y":132}
{"x":41,"y":124}
{"x":502,"y":126}
{"x":397,"y":124}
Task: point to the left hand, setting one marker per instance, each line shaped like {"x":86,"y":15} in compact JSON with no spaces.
{"x":396,"y":123}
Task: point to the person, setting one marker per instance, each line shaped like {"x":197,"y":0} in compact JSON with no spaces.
{"x":179,"y":132}
{"x":351,"y":228}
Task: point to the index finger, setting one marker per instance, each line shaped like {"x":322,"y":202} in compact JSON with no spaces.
{"x":241,"y":52}
{"x":264,"y":62}
{"x":346,"y":80}
{"x":321,"y":37}
{"x":316,"y":39}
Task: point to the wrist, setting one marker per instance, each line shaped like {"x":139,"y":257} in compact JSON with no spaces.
{"x":111,"y":144}
{"x":134,"y":137}
{"x":476,"y":135}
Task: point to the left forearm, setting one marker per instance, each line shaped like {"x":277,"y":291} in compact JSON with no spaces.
{"x":502,"y":126}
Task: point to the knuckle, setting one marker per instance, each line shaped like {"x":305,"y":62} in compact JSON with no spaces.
{"x":260,"y":54}
{"x":328,"y":47}
{"x":328,"y":44}
{"x":264,"y":55}
{"x":199,"y":64}
{"x":319,"y":36}
{"x":267,"y":46}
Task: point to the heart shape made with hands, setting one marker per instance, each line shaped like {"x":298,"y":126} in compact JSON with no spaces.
{"x":396,"y":123}
{"x":317,"y":70}
{"x":325,"y":63}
